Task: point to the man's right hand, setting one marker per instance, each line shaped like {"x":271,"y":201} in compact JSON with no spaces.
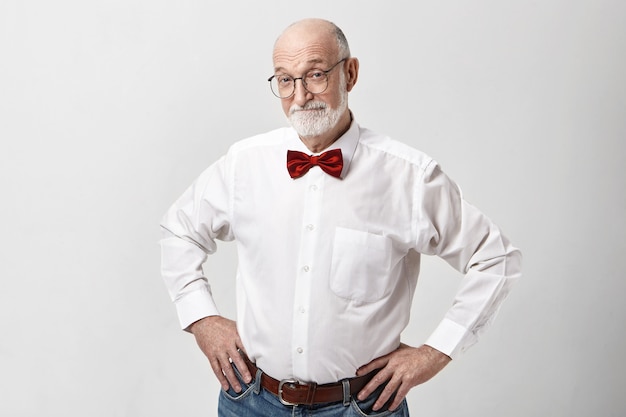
{"x":219,"y":340}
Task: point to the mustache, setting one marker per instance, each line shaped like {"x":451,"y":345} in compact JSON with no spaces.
{"x":311,"y":105}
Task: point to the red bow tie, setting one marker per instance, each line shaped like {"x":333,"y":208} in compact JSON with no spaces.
{"x":299,"y":163}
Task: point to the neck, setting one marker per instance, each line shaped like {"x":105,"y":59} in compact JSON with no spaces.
{"x":319,"y":143}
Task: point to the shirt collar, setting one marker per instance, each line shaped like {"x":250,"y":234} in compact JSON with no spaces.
{"x":347,"y":143}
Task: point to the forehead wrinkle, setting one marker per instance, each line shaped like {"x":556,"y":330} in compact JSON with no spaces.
{"x":304,"y":57}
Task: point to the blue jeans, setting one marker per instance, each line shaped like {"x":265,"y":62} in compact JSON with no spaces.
{"x":254,"y":401}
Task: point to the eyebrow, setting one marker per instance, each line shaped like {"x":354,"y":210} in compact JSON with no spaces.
{"x":311,"y":61}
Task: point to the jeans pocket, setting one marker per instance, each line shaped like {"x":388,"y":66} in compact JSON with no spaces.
{"x":364,"y":408}
{"x":246,"y":389}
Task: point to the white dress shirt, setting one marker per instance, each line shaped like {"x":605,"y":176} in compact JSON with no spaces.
{"x":327,"y":267}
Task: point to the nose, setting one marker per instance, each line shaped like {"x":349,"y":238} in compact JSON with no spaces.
{"x":300,"y":94}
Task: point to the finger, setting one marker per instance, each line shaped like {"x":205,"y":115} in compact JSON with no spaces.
{"x":380,"y":378}
{"x":401,"y":393}
{"x":241,"y":365}
{"x":229,"y":372}
{"x":240,"y":346}
{"x":239,"y":361}
{"x":217,"y":370}
{"x":386,"y":394}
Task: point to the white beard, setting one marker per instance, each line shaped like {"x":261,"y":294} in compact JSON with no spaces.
{"x":321,"y":119}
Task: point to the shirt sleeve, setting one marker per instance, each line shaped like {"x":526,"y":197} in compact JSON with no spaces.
{"x":190,"y":229}
{"x":464,"y":237}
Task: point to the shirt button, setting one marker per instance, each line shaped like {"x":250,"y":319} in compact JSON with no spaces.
{"x":313,"y":187}
{"x":310,"y":227}
{"x":306,"y":268}
{"x":302,"y":310}
{"x":300,"y":350}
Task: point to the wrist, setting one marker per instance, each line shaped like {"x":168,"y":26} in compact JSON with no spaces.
{"x":198,"y":324}
{"x":436,"y":354}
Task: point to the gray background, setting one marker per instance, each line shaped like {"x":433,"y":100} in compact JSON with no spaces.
{"x":109,"y":109}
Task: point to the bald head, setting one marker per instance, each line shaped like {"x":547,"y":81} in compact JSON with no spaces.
{"x":306,"y":32}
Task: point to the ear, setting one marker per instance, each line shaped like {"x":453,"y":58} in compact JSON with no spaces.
{"x":352,"y":72}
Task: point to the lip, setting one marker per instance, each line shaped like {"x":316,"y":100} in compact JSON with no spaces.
{"x":300,"y":110}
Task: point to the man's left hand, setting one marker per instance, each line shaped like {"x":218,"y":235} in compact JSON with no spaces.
{"x":403,"y":369}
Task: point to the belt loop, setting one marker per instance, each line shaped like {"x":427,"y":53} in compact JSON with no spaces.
{"x":257,"y":381}
{"x":346,"y":392}
{"x":310,"y":396}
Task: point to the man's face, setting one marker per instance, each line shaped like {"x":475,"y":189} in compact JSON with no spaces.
{"x":297,"y":53}
{"x":317,"y":116}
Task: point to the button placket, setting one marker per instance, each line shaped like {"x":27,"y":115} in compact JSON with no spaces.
{"x":306,"y":271}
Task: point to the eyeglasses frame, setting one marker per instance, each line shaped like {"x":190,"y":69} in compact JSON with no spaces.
{"x":303,"y":82}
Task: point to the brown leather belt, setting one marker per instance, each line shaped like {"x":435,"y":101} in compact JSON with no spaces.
{"x":292,"y":392}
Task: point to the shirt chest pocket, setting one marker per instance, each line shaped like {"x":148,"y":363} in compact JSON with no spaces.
{"x":360,"y":265}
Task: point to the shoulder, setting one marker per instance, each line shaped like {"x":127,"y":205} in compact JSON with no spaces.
{"x":258,"y":153}
{"x":272,"y":138}
{"x":395,"y":150}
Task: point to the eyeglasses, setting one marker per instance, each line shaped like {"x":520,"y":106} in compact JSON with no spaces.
{"x":314,"y":81}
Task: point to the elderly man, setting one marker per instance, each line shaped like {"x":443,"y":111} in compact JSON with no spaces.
{"x":330,"y":221}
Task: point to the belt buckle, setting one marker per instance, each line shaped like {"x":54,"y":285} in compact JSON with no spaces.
{"x":280,"y":391}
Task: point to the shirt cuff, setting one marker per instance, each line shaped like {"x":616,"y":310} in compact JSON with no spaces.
{"x":195,"y":306}
{"x":450,"y":338}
